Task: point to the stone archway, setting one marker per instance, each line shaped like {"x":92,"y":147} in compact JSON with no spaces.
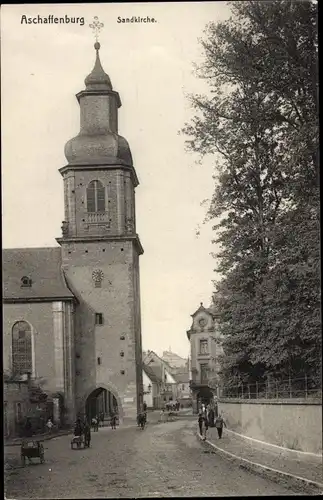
{"x":101,"y":399}
{"x":205,"y":395}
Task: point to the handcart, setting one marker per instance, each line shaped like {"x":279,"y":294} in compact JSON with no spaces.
{"x":31,"y":449}
{"x":78,"y":442}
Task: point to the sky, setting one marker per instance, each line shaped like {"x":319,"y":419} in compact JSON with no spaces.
{"x":151,"y":66}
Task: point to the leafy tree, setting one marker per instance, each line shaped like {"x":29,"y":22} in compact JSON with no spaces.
{"x":260,"y":122}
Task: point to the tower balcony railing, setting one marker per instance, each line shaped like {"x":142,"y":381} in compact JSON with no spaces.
{"x":96,"y":217}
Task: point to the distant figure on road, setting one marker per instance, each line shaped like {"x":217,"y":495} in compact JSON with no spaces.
{"x":95,"y":424}
{"x":162,"y":415}
{"x":144,"y":406}
{"x":203,"y":424}
{"x":142,"y":420}
{"x":101,"y":418}
{"x":28,"y":430}
{"x":211,"y":417}
{"x":49,"y":425}
{"x":78,"y":429}
{"x":87,"y":434}
{"x":113,"y":421}
{"x":219,"y":423}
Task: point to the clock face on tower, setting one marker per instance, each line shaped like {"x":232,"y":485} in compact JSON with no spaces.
{"x":97,"y":275}
{"x":202,"y":322}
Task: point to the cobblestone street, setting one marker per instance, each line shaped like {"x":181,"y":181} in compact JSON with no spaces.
{"x":164,"y":460}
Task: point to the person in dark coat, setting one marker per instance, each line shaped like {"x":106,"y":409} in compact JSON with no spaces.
{"x":200,"y":422}
{"x":203,"y":424}
{"x":113,"y":420}
{"x":78,"y":429}
{"x":211,"y":417}
{"x":87,"y":434}
{"x":28,"y":431}
{"x":219,"y":423}
{"x":141,"y":419}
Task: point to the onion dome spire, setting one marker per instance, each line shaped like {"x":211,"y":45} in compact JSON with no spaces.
{"x":98,"y":142}
{"x":98,"y":79}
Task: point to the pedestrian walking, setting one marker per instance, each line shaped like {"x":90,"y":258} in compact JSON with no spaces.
{"x":95,"y":424}
{"x":87,"y":434}
{"x":211,"y":417}
{"x":206,"y":427}
{"x":28,"y":428}
{"x":113,"y":421}
{"x":49,"y":425}
{"x":219,"y":423}
{"x":78,"y":429}
{"x":141,"y":419}
{"x":201,"y":421}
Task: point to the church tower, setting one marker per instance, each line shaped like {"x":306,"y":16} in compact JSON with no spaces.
{"x":100,"y":252}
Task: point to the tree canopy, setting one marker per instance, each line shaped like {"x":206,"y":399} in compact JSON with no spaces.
{"x":260,"y":122}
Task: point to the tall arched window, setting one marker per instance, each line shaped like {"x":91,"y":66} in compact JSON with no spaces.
{"x":95,"y":195}
{"x":22,"y":361}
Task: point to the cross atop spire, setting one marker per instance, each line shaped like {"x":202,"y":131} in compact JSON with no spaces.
{"x":96,"y":27}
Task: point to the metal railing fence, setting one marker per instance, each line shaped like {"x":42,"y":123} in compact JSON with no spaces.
{"x":273,"y":388}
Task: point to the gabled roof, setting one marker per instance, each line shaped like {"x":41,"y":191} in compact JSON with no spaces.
{"x":171,"y":358}
{"x":42,"y":266}
{"x":154,"y":373}
{"x":160,"y":360}
{"x":202,"y":309}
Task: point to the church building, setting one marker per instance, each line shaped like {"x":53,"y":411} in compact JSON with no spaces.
{"x":72,"y":312}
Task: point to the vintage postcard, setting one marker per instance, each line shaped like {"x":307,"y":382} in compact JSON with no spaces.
{"x":161,"y":249}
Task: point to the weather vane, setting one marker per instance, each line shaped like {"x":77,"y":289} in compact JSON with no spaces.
{"x":96,"y":27}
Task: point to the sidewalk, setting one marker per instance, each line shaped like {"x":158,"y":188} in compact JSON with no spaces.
{"x":37,"y":437}
{"x":306,"y":466}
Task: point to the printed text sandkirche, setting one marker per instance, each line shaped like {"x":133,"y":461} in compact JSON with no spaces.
{"x":136,"y":19}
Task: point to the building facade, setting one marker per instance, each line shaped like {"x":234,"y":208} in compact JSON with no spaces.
{"x":206,"y":348}
{"x":162,"y":381}
{"x":72,"y":313}
{"x":183,"y":389}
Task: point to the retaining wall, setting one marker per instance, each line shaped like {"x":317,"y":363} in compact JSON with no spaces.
{"x":292,"y":424}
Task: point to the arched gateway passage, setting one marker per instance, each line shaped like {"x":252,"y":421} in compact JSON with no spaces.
{"x":102,"y":401}
{"x":205,"y":396}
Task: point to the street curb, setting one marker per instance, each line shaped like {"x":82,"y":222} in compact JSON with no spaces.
{"x":315,"y":456}
{"x":272,"y":474}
